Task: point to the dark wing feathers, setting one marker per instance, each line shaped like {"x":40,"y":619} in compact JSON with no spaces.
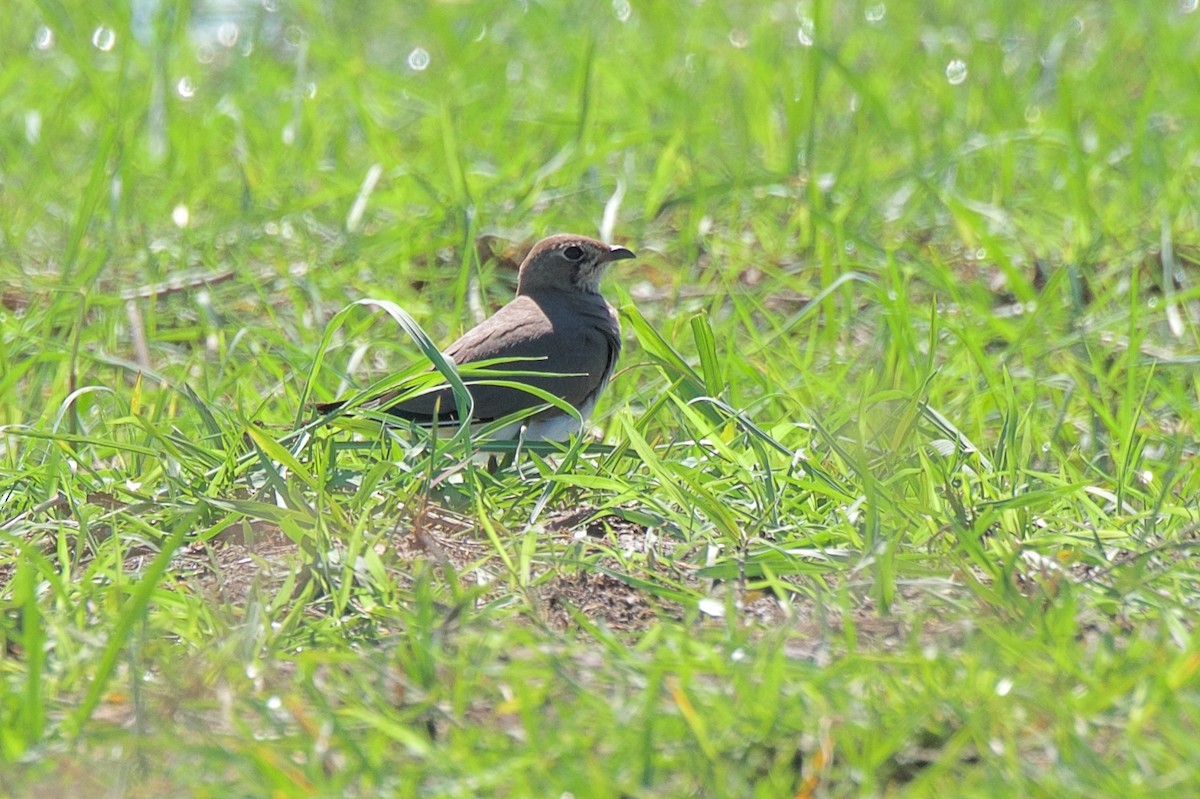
{"x":575,"y":335}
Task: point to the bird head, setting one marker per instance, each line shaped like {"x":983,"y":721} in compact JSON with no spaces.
{"x":567,"y":262}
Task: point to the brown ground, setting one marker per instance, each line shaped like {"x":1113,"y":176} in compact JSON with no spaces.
{"x":564,"y":593}
{"x":235,"y":563}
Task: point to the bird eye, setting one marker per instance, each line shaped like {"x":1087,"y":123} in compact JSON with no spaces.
{"x":573,"y":253}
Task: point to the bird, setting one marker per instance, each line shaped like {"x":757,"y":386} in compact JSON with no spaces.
{"x":560,"y":321}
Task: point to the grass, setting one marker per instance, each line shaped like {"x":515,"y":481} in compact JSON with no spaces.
{"x":896,"y":489}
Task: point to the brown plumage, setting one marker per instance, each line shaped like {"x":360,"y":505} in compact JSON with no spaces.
{"x":558,"y":317}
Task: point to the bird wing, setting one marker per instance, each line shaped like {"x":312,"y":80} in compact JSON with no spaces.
{"x":575,"y":336}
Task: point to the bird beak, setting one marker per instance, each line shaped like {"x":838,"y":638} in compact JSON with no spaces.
{"x":618,"y":254}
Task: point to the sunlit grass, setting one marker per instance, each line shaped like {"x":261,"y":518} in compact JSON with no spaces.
{"x":894,"y":488}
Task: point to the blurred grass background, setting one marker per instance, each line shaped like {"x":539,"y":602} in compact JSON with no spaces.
{"x":932,"y":265}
